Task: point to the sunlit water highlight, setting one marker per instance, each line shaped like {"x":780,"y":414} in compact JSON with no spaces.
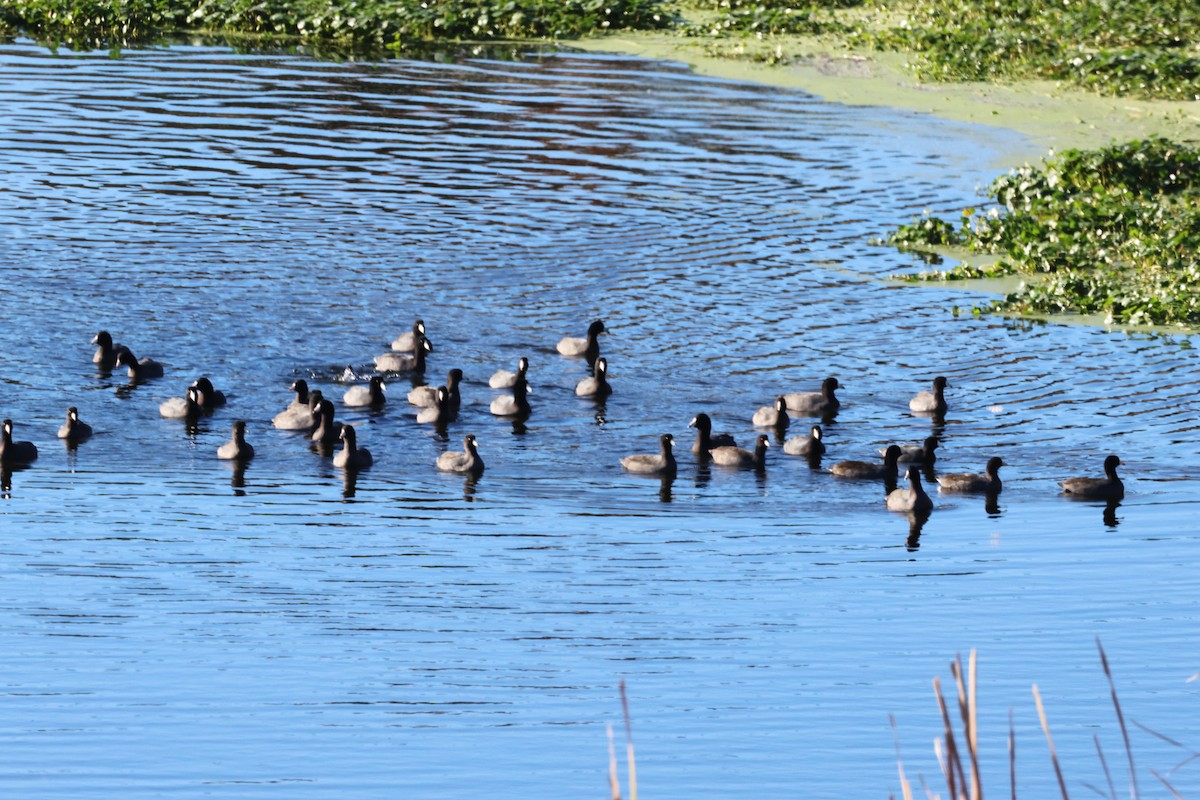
{"x":173,"y":628}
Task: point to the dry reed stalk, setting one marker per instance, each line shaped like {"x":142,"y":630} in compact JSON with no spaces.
{"x":1062,"y":784}
{"x":956,"y":778}
{"x":968,"y":711}
{"x":905,"y":787}
{"x":1133,"y":787}
{"x":1112,"y":789}
{"x":614,"y":781}
{"x":1012,"y":756}
{"x":631,"y":765}
{"x":1170,"y":788}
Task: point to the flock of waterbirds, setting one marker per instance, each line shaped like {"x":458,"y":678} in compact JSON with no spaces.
{"x":313,"y":414}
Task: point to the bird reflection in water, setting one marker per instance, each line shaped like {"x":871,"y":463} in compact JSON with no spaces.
{"x":991,"y":504}
{"x":916,"y":523}
{"x":238,"y":481}
{"x":664,"y":489}
{"x":349,"y":482}
{"x":470,"y":486}
{"x":1110,"y":513}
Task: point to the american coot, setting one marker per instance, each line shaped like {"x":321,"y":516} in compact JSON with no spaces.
{"x":588,"y":347}
{"x":440,"y":412}
{"x":425,"y":396}
{"x":988,"y":482}
{"x":662,"y":463}
{"x":930,"y":402}
{"x":414,"y":361}
{"x":705,"y":441}
{"x":913,"y":499}
{"x":503,"y":379}
{"x":369,"y":395}
{"x":815,"y":404}
{"x":139,"y":370}
{"x":106,"y":353}
{"x":328,"y":429}
{"x":405,"y":341}
{"x":300,"y":415}
{"x":597,"y":385}
{"x":209,"y":397}
{"x":869,"y":469}
{"x":775,"y":416}
{"x":467,"y":461}
{"x":746,"y":459}
{"x":351,"y":456}
{"x":924,"y":453}
{"x":74,"y":429}
{"x":14,"y":452}
{"x":237,"y":448}
{"x":515,"y":404}
{"x":810,"y":445}
{"x":1106,"y":488}
{"x":187,"y":407}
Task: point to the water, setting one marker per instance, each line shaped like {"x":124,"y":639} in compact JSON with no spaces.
{"x":173,"y":628}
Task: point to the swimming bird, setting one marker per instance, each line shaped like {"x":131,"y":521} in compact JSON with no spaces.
{"x":930,"y":402}
{"x":14,"y":452}
{"x":414,"y":361}
{"x":106,"y":353}
{"x":503,"y":379}
{"x":924,"y":453}
{"x":988,"y":482}
{"x":74,"y":429}
{"x":237,"y":448}
{"x":187,"y":407}
{"x":515,"y":404}
{"x":913,"y":499}
{"x":425,"y":396}
{"x":369,"y":395}
{"x":440,"y":412}
{"x":300,"y":415}
{"x":467,"y":461}
{"x":328,"y":429}
{"x":588,"y":347}
{"x":1106,"y":488}
{"x":597,"y":385}
{"x":705,"y":441}
{"x":772,"y":416}
{"x":139,"y":370}
{"x":405,"y":341}
{"x":810,"y":445}
{"x":869,"y":469}
{"x":815,"y":404}
{"x":738,"y":457}
{"x":351,"y":456}
{"x":209,"y":397}
{"x":661,"y":463}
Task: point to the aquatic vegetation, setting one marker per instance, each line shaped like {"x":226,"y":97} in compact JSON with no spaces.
{"x":1113,"y":231}
{"x":1138,"y":48}
{"x":349,"y":23}
{"x":768,"y":18}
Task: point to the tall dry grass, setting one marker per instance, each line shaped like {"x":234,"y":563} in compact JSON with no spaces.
{"x":957,"y":750}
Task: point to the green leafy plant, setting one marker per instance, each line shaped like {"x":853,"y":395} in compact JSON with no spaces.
{"x":1114,"y":231}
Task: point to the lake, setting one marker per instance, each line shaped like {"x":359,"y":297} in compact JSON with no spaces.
{"x":175,"y":627}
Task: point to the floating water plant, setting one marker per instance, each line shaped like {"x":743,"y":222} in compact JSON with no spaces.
{"x":1113,"y":231}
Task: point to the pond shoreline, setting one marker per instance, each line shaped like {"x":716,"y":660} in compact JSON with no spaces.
{"x":1050,"y":116}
